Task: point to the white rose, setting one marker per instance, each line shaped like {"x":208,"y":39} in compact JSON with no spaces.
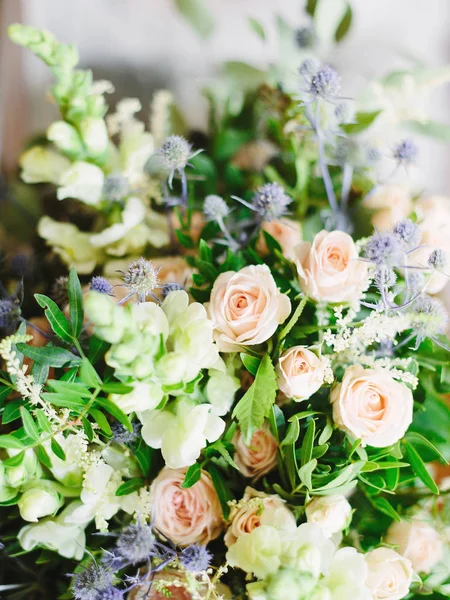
{"x":329,"y":270}
{"x":332,"y":513}
{"x":145,"y":396}
{"x":257,"y":552}
{"x":38,"y":502}
{"x":370,"y":404}
{"x":417,"y":541}
{"x":181,"y":434}
{"x":42,"y":165}
{"x":68,"y":540}
{"x":246,"y":307}
{"x":300,"y":373}
{"x":83,"y":181}
{"x":389,"y":574}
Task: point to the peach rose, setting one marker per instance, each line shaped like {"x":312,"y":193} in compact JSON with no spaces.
{"x":332,"y":513}
{"x":260,"y":457}
{"x":417,"y":541}
{"x":370,"y":404}
{"x":389,"y":574}
{"x":256,"y":509}
{"x":434,"y":222}
{"x":246,"y":307}
{"x":388,"y":204}
{"x":329,"y":270}
{"x":185,"y":516}
{"x":300,"y":373}
{"x":286,"y":232}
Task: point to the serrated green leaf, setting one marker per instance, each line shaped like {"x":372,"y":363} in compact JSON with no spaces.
{"x":130,"y":486}
{"x":256,"y":404}
{"x":75,"y":303}
{"x":193,"y":474}
{"x":55,"y":317}
{"x":28,"y":424}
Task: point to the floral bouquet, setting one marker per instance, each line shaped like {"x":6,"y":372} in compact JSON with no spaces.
{"x":246,"y":396}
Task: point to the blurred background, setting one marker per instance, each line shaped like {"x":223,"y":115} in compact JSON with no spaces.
{"x":143,"y":45}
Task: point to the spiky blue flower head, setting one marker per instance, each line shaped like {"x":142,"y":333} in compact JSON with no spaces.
{"x":325,"y":83}
{"x":406,"y":152}
{"x":306,"y":38}
{"x":308,"y":68}
{"x":141,"y":278}
{"x":101,"y":285}
{"x":438,"y":259}
{"x":195,"y":558}
{"x":385,"y":277}
{"x":270,"y":201}
{"x":111,"y":593}
{"x":384,"y":249}
{"x":347,"y":151}
{"x":136,"y":543}
{"x":121,"y":435}
{"x":91,"y":581}
{"x":408,"y":232}
{"x":345,"y":112}
{"x":168,"y":288}
{"x":175,"y":152}
{"x":9,"y":313}
{"x":373,"y":155}
{"x":429,"y":317}
{"x":116,"y":187}
{"x":215,"y":208}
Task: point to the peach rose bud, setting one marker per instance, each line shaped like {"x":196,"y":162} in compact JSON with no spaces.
{"x":300,"y":373}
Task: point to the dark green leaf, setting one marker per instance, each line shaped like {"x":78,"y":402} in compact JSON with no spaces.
{"x":222,"y":489}
{"x":28,"y":424}
{"x":55,"y":317}
{"x":40,"y":372}
{"x":115,"y":411}
{"x":144,"y":455}
{"x":308,"y":442}
{"x":4,"y":393}
{"x":10,"y":441}
{"x":205,"y":252}
{"x":344,"y":25}
{"x":12,"y":411}
{"x":251,"y":363}
{"x":75,"y":303}
{"x":101,"y":421}
{"x":57,"y":449}
{"x":363,"y":120}
{"x":416,"y":439}
{"x":43,"y":456}
{"x":44,"y":423}
{"x":89,"y":375}
{"x":385,"y":507}
{"x":193,"y":474}
{"x":130,"y":486}
{"x":50,"y":355}
{"x":419,"y":468}
{"x":88,"y":429}
{"x":97,"y":349}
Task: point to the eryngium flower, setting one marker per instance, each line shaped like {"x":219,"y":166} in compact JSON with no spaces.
{"x":384,"y":249}
{"x":325,"y":83}
{"x":270,"y":201}
{"x":141,"y":278}
{"x":121,"y":435}
{"x":101,"y":285}
{"x":305,"y":37}
{"x":429,"y":317}
{"x":406,"y":152}
{"x":111,"y":593}
{"x":90,"y":582}
{"x":115,"y":187}
{"x":9,"y":313}
{"x":195,"y":558}
{"x":215,"y":208}
{"x":171,"y":287}
{"x":437,"y":259}
{"x":136,"y":543}
{"x":408,"y":232}
{"x":175,"y":153}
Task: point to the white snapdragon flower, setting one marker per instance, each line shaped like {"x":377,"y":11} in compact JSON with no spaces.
{"x":53,"y":534}
{"x":69,"y":471}
{"x":307,"y":549}
{"x":347,"y":576}
{"x":83,"y":181}
{"x":145,"y":396}
{"x":181,"y":434}
{"x":95,"y":135}
{"x":65,"y":137}
{"x":221,"y":387}
{"x":39,"y":501}
{"x":132,"y":215}
{"x":42,"y":165}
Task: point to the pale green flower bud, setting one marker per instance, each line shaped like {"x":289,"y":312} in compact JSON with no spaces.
{"x":42,"y":165}
{"x":16,"y":476}
{"x":109,"y":320}
{"x":82,"y":181}
{"x":145,"y":396}
{"x":95,"y":136}
{"x":66,"y":138}
{"x":290,"y":583}
{"x":39,"y":502}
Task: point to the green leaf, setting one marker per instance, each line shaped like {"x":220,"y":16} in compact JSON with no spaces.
{"x":89,"y":375}
{"x":11,"y":411}
{"x":416,"y":439}
{"x":50,"y":355}
{"x":385,"y":507}
{"x":144,"y":455}
{"x":222,"y":489}
{"x":220,"y":447}
{"x":116,"y":387}
{"x":130,"y":486}
{"x":4,"y":393}
{"x":101,"y":421}
{"x":305,"y":473}
{"x":28,"y":424}
{"x":14,"y":461}
{"x":75,"y":303}
{"x":251,"y":363}
{"x":63,"y":400}
{"x":115,"y":411}
{"x":73,"y":388}
{"x":292,"y":434}
{"x":363,"y":120}
{"x":44,"y":423}
{"x":88,"y":429}
{"x":257,"y":28}
{"x":199,"y":16}
{"x":43,"y":456}
{"x":57,"y":449}
{"x":308,"y":443}
{"x":10,"y":441}
{"x":97,"y":349}
{"x":40,"y":372}
{"x":344,"y":25}
{"x":255,"y":405}
{"x":55,"y":317}
{"x":205,"y":252}
{"x":327,"y":432}
{"x":418,"y":466}
{"x":293,"y":320}
{"x":193,"y":474}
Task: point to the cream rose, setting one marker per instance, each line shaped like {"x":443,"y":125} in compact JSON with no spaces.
{"x":369,"y":404}
{"x":331,"y":513}
{"x":389,"y":574}
{"x":286,"y":232}
{"x":185,"y":516}
{"x":388,"y":204}
{"x":329,"y":270}
{"x":259,"y":457}
{"x":246,"y":307}
{"x":417,"y":541}
{"x":256,"y":509}
{"x":300,"y":373}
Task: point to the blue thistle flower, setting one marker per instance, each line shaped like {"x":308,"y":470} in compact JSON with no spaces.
{"x":429,"y":317}
{"x":373,"y":155}
{"x":91,"y":581}
{"x":141,"y":278}
{"x":112,"y":593}
{"x":306,"y":38}
{"x":215,"y":208}
{"x":136,"y":543}
{"x":406,"y":152}
{"x":325,"y":83}
{"x":171,"y":287}
{"x":9,"y":313}
{"x":270,"y":201}
{"x":384,"y":249}
{"x":121,"y":435}
{"x":408,"y":232}
{"x":101,"y":285}
{"x":195,"y":558}
{"x":437,"y":259}
{"x":115,"y":187}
